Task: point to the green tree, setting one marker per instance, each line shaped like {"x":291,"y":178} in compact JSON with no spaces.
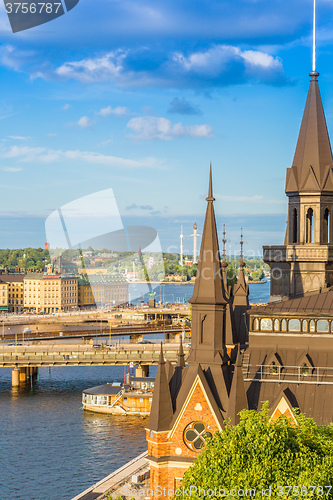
{"x":261,"y":455}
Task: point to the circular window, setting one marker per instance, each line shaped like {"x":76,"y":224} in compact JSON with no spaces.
{"x":195,"y":435}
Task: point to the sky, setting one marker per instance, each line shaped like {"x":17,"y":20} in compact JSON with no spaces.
{"x":141,"y":97}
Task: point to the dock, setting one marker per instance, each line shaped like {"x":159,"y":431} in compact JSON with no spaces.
{"x":114,"y":483}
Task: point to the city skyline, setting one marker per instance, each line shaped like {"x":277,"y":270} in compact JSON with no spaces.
{"x":145,"y":106}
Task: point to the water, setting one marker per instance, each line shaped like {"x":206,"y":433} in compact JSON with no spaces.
{"x":50,"y":448}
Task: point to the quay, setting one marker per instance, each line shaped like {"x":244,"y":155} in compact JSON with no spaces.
{"x":134,"y":475}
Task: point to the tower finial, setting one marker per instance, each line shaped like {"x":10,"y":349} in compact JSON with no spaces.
{"x":210,"y":189}
{"x":314,"y":74}
{"x":224,"y":260}
{"x":241,"y":263}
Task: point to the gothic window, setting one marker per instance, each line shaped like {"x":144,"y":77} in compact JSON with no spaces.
{"x":326,"y":226}
{"x":196,"y":434}
{"x":266,"y":324}
{"x":276,"y":325}
{"x":284,"y":325}
{"x":312,"y":326}
{"x":304,"y":325}
{"x":294,"y":226}
{"x":310,"y":226}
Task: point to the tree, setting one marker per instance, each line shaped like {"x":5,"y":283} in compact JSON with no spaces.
{"x":284,"y":459}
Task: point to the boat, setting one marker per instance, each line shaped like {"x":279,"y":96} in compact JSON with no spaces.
{"x":133,"y":397}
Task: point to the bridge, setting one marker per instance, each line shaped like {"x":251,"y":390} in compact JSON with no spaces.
{"x":25,"y":360}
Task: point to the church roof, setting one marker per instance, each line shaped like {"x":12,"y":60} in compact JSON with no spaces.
{"x":312,"y":165}
{"x":318,"y":302}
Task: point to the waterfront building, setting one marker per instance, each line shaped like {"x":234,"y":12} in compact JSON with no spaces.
{"x":50,"y":293}
{"x":103,"y":290}
{"x":3,"y":296}
{"x":15,"y":289}
{"x":64,"y":266}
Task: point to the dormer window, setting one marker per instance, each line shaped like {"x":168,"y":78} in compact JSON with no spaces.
{"x":305,"y":370}
{"x":273,"y":368}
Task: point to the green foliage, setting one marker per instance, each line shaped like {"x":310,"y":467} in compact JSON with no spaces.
{"x":258,"y":454}
{"x":25,"y":258}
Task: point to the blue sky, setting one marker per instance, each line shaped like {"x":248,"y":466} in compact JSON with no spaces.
{"x":141,"y":96}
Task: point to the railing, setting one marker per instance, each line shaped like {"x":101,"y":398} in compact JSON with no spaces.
{"x":116,"y":398}
{"x":289,"y":374}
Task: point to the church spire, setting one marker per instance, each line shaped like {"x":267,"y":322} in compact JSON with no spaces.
{"x":208,"y":288}
{"x":224,"y":265}
{"x":311,"y":169}
{"x":161,"y":409}
{"x":181,"y":355}
{"x":241,"y":300}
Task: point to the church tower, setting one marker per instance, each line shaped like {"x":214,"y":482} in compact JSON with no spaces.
{"x":305,"y":262}
{"x":191,"y":402}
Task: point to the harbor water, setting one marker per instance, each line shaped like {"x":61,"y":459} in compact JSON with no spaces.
{"x":50,"y":448}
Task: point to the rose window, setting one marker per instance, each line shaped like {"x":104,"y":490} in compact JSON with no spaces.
{"x":195,"y":435}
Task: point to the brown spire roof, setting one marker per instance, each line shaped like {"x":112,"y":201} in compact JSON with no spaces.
{"x":311,"y":170}
{"x":181,"y":355}
{"x":161,"y":408}
{"x":208,"y":288}
{"x":237,"y":397}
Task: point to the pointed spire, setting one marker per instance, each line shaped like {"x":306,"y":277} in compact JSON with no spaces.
{"x":181,"y":355}
{"x":237,"y":397}
{"x":313,"y":151}
{"x":161,"y":408}
{"x":208,"y":288}
{"x":241,"y":289}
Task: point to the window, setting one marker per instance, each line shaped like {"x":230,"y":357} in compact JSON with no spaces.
{"x":322,"y":325}
{"x":294,"y":226}
{"x":266,"y":324}
{"x":310,"y":226}
{"x":195,"y":435}
{"x":304,"y":325}
{"x":312,"y":326}
{"x":305,"y":370}
{"x":273,"y":368}
{"x":276,"y":325}
{"x":326,"y":226}
{"x":294,"y":325}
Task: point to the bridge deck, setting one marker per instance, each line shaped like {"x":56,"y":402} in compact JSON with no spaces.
{"x":84,"y":355}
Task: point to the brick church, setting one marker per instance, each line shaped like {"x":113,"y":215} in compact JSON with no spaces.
{"x":240,"y":356}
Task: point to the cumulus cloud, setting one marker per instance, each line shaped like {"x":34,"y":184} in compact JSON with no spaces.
{"x":84,"y":122}
{"x":151,"y":127}
{"x":43,"y":155}
{"x":182,"y":106}
{"x":218,"y":65}
{"x":117,"y":111}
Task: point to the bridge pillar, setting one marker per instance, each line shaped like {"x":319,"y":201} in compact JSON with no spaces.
{"x":15,"y":377}
{"x":23,"y":375}
{"x":142,"y":371}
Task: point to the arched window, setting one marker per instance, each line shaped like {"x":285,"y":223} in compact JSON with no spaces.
{"x":310,"y":226}
{"x":326,"y":226}
{"x":294,"y":235}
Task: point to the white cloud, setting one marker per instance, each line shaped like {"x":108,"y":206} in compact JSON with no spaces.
{"x":44,"y":155}
{"x":12,"y":169}
{"x":18,"y":137}
{"x":117,"y":111}
{"x":52,"y":134}
{"x":84,"y":122}
{"x":66,"y":106}
{"x":218,"y":65}
{"x":151,"y":127}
